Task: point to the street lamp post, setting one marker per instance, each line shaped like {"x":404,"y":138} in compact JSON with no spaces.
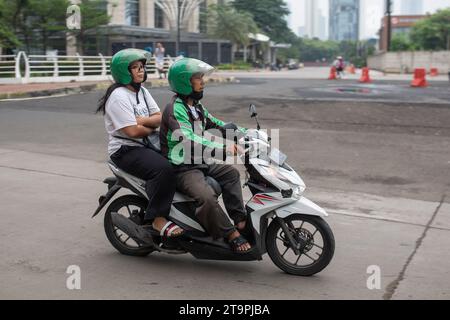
{"x":389,"y":23}
{"x":178,"y":28}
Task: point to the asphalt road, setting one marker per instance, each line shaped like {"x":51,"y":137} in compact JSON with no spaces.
{"x":376,"y":157}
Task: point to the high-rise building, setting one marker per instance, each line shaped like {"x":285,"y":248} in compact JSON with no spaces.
{"x":411,"y":7}
{"x":315,"y":21}
{"x":344,"y":20}
{"x":322,"y":26}
{"x":311,"y":7}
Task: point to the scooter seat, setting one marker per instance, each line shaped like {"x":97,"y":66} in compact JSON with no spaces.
{"x":209,"y":180}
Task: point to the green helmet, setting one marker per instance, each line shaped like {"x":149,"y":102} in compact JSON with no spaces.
{"x":181,"y":72}
{"x":121,"y":61}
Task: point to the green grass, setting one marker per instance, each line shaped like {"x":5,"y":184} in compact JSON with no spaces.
{"x":237,"y":65}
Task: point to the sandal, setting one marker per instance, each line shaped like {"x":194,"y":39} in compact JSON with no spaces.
{"x":168,"y":230}
{"x":236,"y":243}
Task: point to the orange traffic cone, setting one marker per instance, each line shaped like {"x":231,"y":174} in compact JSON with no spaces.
{"x":419,"y":78}
{"x":352,"y":69}
{"x":434,"y":72}
{"x":365,"y":78}
{"x":332,"y":74}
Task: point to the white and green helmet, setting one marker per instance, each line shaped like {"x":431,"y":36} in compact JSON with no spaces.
{"x":121,"y":61}
{"x":181,"y":72}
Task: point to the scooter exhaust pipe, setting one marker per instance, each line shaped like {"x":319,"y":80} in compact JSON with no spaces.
{"x":136,"y":232}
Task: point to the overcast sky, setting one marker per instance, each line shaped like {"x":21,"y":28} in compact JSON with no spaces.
{"x":370,"y":26}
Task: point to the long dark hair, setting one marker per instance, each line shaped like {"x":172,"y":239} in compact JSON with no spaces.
{"x":102,"y":102}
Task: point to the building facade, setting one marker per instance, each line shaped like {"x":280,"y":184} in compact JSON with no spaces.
{"x":399,"y":25}
{"x":344,"y":20}
{"x":142,"y":23}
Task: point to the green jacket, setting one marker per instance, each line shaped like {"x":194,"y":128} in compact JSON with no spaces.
{"x":178,"y":132}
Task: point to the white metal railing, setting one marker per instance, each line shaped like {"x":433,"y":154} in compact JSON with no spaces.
{"x":23,"y":68}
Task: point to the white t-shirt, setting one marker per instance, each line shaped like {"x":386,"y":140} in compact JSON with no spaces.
{"x":121,"y":111}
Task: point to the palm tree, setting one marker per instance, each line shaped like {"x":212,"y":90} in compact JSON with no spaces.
{"x":225,"y":22}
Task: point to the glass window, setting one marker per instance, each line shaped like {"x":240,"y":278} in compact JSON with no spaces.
{"x":159,"y":17}
{"x":203,"y":11}
{"x":132,"y":12}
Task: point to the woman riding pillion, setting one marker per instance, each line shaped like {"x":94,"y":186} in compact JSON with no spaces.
{"x":131,"y":115}
{"x":183,"y":123}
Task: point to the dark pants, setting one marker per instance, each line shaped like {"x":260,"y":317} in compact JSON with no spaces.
{"x":209,"y":213}
{"x":152,"y":167}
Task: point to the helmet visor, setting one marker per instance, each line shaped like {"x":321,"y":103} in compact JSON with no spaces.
{"x":204,"y":69}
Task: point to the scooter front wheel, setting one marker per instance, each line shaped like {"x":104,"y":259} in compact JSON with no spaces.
{"x":313,"y":239}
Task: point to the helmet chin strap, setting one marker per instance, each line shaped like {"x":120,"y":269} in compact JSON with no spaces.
{"x":137,"y":88}
{"x":196,"y":95}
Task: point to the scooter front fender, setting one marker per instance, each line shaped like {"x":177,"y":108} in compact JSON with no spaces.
{"x":302,"y":206}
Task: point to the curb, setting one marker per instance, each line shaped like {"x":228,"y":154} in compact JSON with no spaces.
{"x":153,"y":83}
{"x":48,"y":93}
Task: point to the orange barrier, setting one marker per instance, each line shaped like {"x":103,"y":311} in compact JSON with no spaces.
{"x":332,"y":74}
{"x":351,"y":69}
{"x":365,"y":77}
{"x":419,"y":78}
{"x":434,"y":72}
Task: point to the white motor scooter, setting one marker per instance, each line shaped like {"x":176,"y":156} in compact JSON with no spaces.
{"x":281,"y":221}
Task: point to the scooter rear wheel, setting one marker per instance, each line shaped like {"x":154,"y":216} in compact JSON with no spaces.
{"x":131,"y":207}
{"x":316,"y":241}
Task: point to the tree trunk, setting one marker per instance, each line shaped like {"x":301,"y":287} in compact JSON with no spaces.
{"x":80,"y":43}
{"x":44,"y":41}
{"x":234,"y":48}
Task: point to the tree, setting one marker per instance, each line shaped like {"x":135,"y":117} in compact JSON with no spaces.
{"x":226,"y":23}
{"x":433,"y":33}
{"x":401,"y":42}
{"x":8,"y":38}
{"x":93,"y":15}
{"x":317,"y":50}
{"x":47,"y":18}
{"x":270,"y":16}
{"x":17,"y":12}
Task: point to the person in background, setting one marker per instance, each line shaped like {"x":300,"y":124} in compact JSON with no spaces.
{"x":160,"y":52}
{"x":340,"y":66}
